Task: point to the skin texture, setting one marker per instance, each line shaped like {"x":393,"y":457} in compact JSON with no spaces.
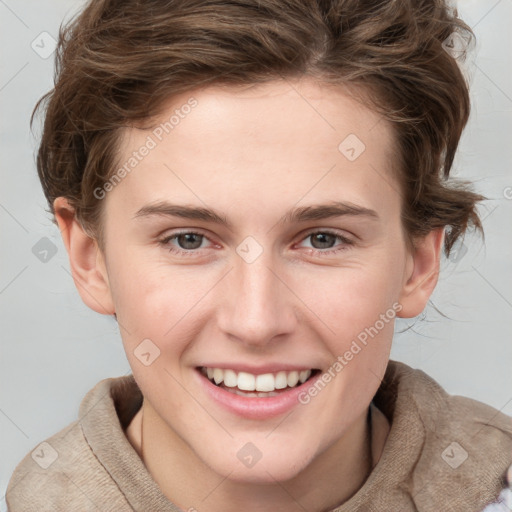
{"x":252,"y":155}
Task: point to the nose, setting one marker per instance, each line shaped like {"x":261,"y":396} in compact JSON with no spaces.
{"x":256,"y":307}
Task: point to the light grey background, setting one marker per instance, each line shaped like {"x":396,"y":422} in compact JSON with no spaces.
{"x":54,"y":349}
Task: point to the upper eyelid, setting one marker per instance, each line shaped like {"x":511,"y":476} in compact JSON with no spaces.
{"x":333,"y":232}
{"x":182,"y":232}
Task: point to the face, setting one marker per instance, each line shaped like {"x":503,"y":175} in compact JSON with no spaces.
{"x":257,"y":240}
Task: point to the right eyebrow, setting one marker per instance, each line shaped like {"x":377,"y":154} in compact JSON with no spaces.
{"x":164,"y":208}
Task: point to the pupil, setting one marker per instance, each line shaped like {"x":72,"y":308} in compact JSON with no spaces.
{"x":190,"y":241}
{"x":322,"y":240}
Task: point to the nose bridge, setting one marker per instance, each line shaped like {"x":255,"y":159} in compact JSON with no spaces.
{"x":255,"y":309}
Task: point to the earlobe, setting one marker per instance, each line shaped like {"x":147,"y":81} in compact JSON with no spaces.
{"x":86,"y":260}
{"x":422,"y":275}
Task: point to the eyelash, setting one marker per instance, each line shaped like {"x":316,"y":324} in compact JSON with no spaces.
{"x":346,"y":243}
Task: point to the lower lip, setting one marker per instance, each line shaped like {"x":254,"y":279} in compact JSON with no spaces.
{"x":252,"y":407}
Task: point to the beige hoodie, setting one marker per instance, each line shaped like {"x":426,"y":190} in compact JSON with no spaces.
{"x":443,"y":453}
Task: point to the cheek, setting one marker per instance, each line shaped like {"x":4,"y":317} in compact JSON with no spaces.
{"x":147,"y":294}
{"x":352,"y":298}
{"x":359,"y":305}
{"x":161,"y":303}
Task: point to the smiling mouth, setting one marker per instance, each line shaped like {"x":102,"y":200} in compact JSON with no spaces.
{"x":263,"y":385}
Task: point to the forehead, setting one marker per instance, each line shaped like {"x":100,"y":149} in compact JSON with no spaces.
{"x":281,"y":139}
{"x":291,"y":108}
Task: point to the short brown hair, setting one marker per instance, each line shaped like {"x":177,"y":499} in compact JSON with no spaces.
{"x":119,"y":61}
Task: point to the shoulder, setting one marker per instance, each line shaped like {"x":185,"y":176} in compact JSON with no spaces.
{"x":444,"y":415}
{"x":467,"y":444}
{"x":63,"y":473}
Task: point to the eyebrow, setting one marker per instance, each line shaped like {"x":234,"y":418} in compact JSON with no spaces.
{"x":163,"y":208}
{"x":326,"y":211}
{"x":302,"y":214}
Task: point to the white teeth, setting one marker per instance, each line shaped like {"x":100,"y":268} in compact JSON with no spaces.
{"x":230,"y":379}
{"x":246,"y":381}
{"x":293,"y":378}
{"x":218,"y":375}
{"x":304,"y":376}
{"x":262,"y":385}
{"x":265,"y":382}
{"x":281,"y":380}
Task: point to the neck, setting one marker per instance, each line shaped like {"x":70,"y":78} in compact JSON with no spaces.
{"x":328,"y":481}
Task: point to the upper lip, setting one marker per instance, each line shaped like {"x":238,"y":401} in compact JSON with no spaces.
{"x":258,"y":370}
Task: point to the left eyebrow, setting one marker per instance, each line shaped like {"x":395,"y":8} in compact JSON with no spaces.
{"x":326,"y":211}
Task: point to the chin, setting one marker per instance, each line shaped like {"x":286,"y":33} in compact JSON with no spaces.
{"x":265,"y":467}
{"x":268,"y":473}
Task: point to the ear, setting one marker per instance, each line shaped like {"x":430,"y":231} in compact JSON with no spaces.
{"x":421,"y":274}
{"x":86,"y":260}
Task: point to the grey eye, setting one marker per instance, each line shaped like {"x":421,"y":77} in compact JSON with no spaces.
{"x":322,"y":240}
{"x":189,"y":241}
